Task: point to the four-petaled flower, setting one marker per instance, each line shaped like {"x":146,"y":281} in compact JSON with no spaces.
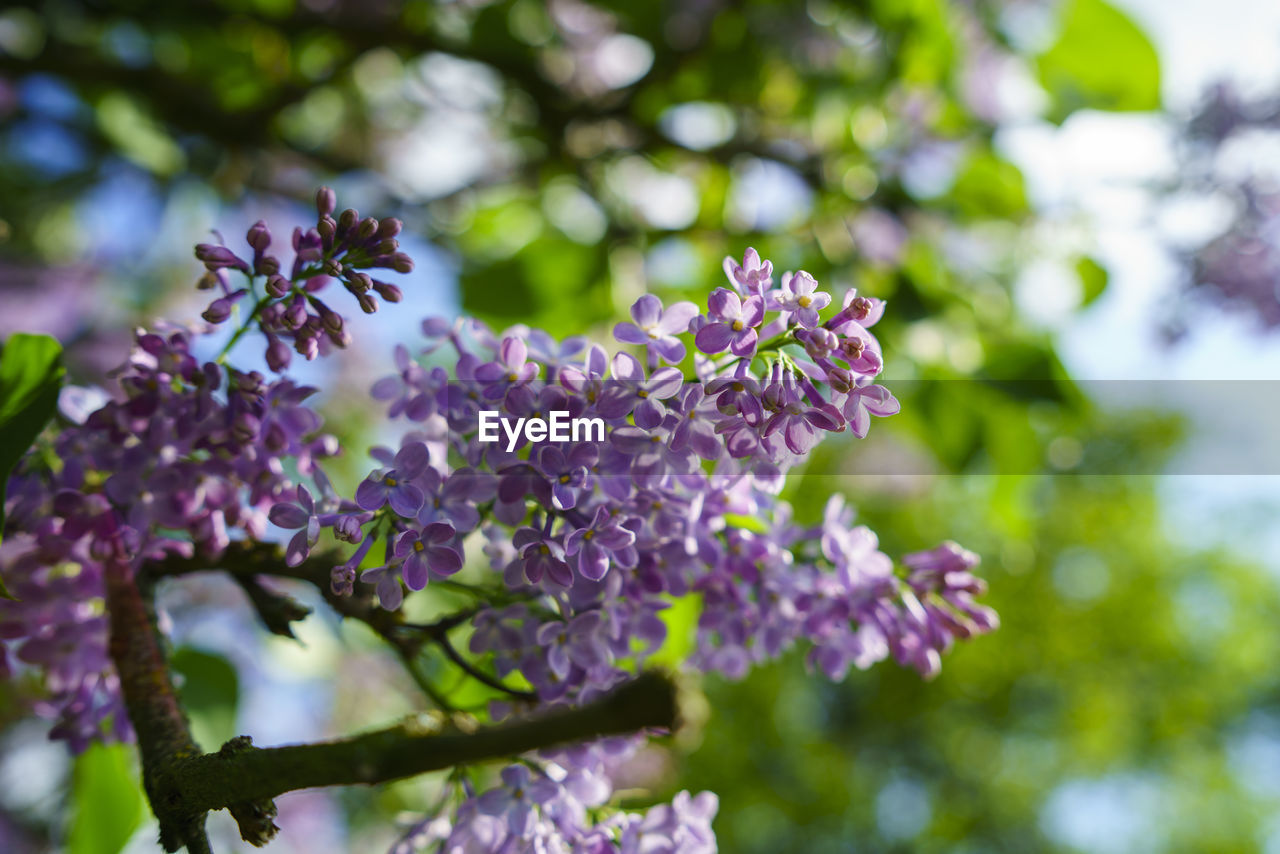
{"x":656,"y":328}
{"x":301,"y":516}
{"x":864,"y":402}
{"x":515,"y":802}
{"x":800,"y":296}
{"x":580,"y":641}
{"x":734,"y":327}
{"x":540,"y":556}
{"x":392,"y":486}
{"x":602,"y":539}
{"x":752,"y":277}
{"x":425,"y":552}
{"x":511,"y":369}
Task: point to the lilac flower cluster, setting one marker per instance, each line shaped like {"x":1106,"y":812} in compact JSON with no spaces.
{"x":185,"y":457}
{"x":593,"y":539}
{"x":289,"y":309}
{"x":584,"y":542}
{"x":548,"y":806}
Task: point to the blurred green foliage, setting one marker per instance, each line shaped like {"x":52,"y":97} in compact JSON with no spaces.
{"x":568,"y":156}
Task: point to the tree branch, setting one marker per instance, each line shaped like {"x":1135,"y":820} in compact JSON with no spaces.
{"x":242,"y":772}
{"x":164,"y":736}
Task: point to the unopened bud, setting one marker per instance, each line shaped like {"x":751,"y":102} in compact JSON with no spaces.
{"x":332,"y":266}
{"x":277,"y":286}
{"x":326,"y":201}
{"x":389,"y":292}
{"x":259,"y":237}
{"x":327,"y":228}
{"x":386,"y":247}
{"x":368,"y":228}
{"x":348,"y":219}
{"x":278,"y":355}
{"x":401,"y":263}
{"x":218,"y":311}
{"x":208,"y":281}
{"x":389,"y":227}
{"x":368,"y":303}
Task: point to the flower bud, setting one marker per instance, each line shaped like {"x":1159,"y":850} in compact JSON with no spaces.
{"x":218,"y":311}
{"x":819,"y":343}
{"x":259,"y":236}
{"x":347,"y":528}
{"x":330,"y":318}
{"x":208,"y":281}
{"x":368,"y":302}
{"x":245,"y":427}
{"x":368,"y":228}
{"x":278,"y":355}
{"x":339,"y":337}
{"x":358,"y":283}
{"x":389,"y":227}
{"x":401,"y":263}
{"x":326,"y":201}
{"x":386,"y":247}
{"x":295,"y":316}
{"x":307,"y":345}
{"x":389,"y":292}
{"x":327,"y":228}
{"x":332,"y":266}
{"x":841,"y":380}
{"x":277,"y":286}
{"x":268,"y":265}
{"x":348,"y":220}
{"x":218,"y":257}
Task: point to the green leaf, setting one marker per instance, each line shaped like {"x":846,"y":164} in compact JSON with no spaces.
{"x":681,"y":620}
{"x":106,"y":801}
{"x":989,"y":187}
{"x":1093,"y":279}
{"x":210,"y":692}
{"x":30,"y":378}
{"x":1102,"y":60}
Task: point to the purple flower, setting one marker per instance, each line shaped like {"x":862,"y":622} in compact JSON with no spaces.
{"x":449,"y":499}
{"x":734,"y":326}
{"x":695,"y":430}
{"x":567,"y":474}
{"x":651,"y":451}
{"x":515,"y":802}
{"x":737,"y":395}
{"x":540,"y":555}
{"x":386,"y":581}
{"x":862,"y":403}
{"x":752,"y":277}
{"x":425,"y":552}
{"x":408,"y":390}
{"x":799,"y":295}
{"x":581,"y":641}
{"x":655,"y":328}
{"x":630,"y":392}
{"x":599,"y":542}
{"x":510,"y":369}
{"x":392,"y":485}
{"x":294,"y":516}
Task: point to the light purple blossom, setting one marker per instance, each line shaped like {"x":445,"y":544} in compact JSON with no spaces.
{"x":752,"y":277}
{"x":800,"y":296}
{"x":392,"y":486}
{"x":733,"y":325}
{"x":655,"y":328}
